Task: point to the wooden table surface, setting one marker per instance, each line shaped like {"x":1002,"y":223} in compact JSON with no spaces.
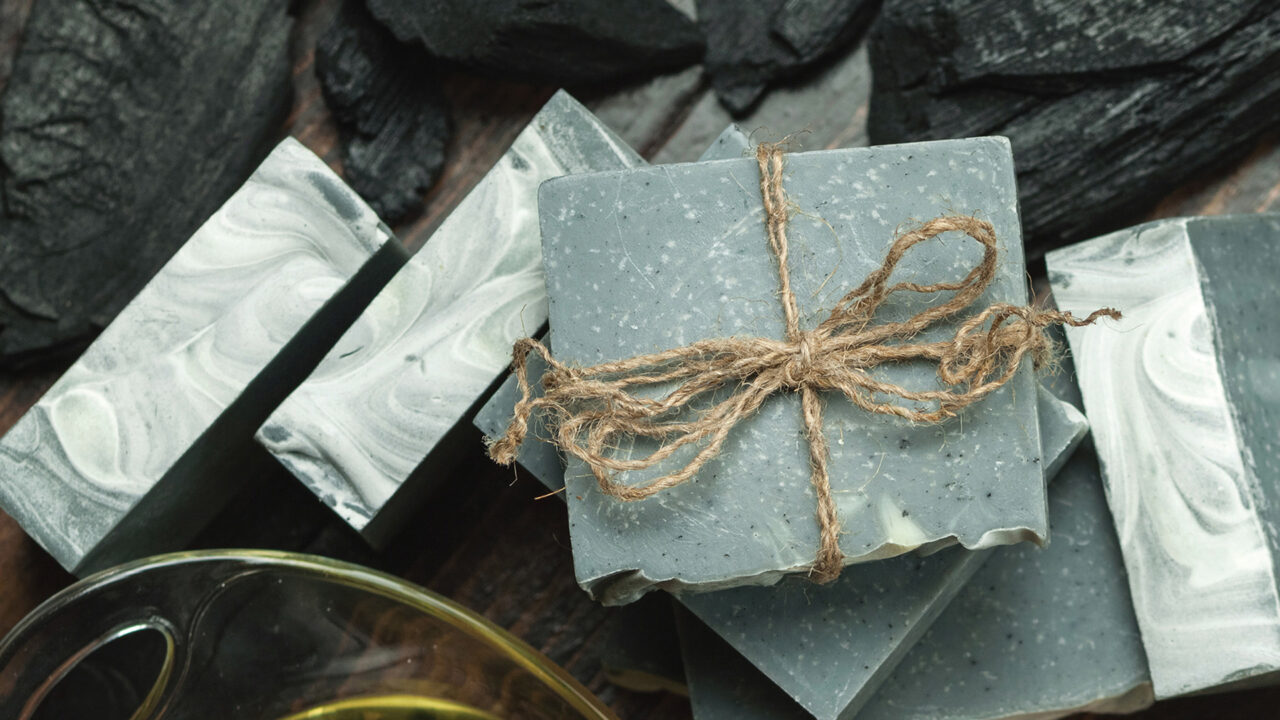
{"x":484,"y":540}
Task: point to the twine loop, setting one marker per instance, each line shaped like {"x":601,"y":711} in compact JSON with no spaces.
{"x":589,"y":410}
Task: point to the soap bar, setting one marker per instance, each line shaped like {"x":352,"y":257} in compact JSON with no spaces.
{"x":648,"y":259}
{"x":722,"y":684}
{"x":1185,"y":404}
{"x":829,"y":647}
{"x":1036,"y":633}
{"x":382,"y":406}
{"x":541,"y":458}
{"x":130,"y":452}
{"x":642,"y":647}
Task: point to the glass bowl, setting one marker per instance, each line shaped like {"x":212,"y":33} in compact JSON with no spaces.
{"x":245,"y":635}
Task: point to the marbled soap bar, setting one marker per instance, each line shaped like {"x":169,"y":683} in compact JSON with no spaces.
{"x":129,"y":452}
{"x":655,"y":258}
{"x":540,"y":458}
{"x":829,"y":647}
{"x":1036,"y":633}
{"x":1184,"y":398}
{"x":382,"y":405}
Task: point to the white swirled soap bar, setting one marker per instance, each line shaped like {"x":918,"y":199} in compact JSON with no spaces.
{"x":1184,"y":398}
{"x":137,"y":444}
{"x":379,"y":408}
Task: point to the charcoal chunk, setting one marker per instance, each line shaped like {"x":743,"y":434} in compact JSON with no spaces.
{"x":560,"y":42}
{"x":752,"y":44}
{"x":392,"y":117}
{"x":124,"y":125}
{"x":1109,"y":106}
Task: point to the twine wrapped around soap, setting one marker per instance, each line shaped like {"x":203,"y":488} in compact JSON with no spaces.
{"x":588,"y":409}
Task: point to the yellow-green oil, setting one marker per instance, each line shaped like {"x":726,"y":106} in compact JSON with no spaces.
{"x":393,"y":707}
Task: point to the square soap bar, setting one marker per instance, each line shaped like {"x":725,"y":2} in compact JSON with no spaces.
{"x":382,"y":406}
{"x":829,"y":647}
{"x":541,"y":459}
{"x":128,"y":453}
{"x":1061,"y":427}
{"x":1036,"y":633}
{"x":648,"y":259}
{"x":1028,"y":638}
{"x":1184,"y":398}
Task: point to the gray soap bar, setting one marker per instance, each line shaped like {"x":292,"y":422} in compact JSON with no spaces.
{"x":647,"y":259}
{"x":124,"y":456}
{"x":541,"y":458}
{"x":1036,"y":633}
{"x":1185,"y":403}
{"x":642,"y":649}
{"x":829,"y":647}
{"x":722,"y":684}
{"x":1062,"y":428}
{"x":381,"y":407}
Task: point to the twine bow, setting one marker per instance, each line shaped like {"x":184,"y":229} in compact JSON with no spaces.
{"x":589,"y":408}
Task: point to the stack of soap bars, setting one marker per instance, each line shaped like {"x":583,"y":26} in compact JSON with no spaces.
{"x":1014,"y":560}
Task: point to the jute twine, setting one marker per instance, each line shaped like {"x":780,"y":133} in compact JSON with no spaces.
{"x":587,"y":409}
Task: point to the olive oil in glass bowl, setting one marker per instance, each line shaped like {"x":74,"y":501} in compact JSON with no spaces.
{"x":255,"y":635}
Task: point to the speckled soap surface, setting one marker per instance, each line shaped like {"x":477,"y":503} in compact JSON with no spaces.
{"x":105,"y":436}
{"x":1184,"y":395}
{"x":1036,"y":633}
{"x":541,"y":458}
{"x":431,"y":344}
{"x":648,"y":259}
{"x":829,"y":647}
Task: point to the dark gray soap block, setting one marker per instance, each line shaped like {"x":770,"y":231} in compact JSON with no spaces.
{"x":128,"y":453}
{"x":1061,"y":425}
{"x":642,"y":651}
{"x":829,"y":647}
{"x":383,"y":407}
{"x":540,"y":458}
{"x":1185,"y":403}
{"x":1036,"y":633}
{"x":722,"y":684}
{"x":124,"y":127}
{"x":655,"y":258}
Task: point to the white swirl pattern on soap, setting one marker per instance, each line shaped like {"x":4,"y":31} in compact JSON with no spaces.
{"x":439,"y":333}
{"x":184,"y":349}
{"x":1198,"y":560}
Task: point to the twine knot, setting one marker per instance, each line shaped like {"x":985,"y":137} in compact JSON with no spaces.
{"x":798,"y":370}
{"x":589,"y":408}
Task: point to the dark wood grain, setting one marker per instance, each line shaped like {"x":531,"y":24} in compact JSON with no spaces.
{"x":484,"y":540}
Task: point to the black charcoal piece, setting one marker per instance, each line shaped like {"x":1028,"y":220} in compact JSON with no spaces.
{"x":1109,"y":105}
{"x":392,"y":116}
{"x":752,"y":44}
{"x":560,"y":42}
{"x":124,"y":126}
